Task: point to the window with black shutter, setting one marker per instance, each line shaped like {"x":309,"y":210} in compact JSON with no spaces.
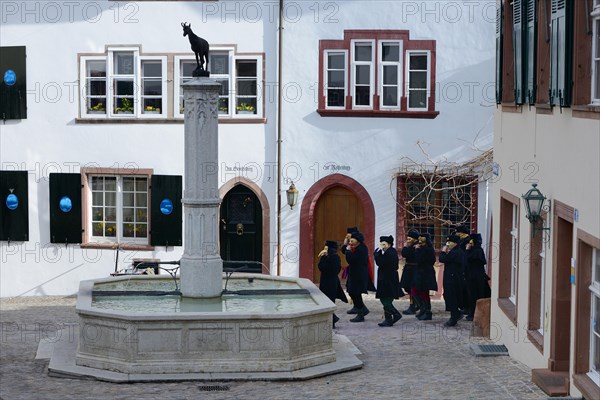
{"x":65,"y":208}
{"x":166,"y":210}
{"x":13,"y":86}
{"x":561,"y":52}
{"x":519,"y":50}
{"x":14,"y":209}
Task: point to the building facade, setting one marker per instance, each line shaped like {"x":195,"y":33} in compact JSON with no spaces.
{"x":546,"y":274}
{"x":354,"y":102}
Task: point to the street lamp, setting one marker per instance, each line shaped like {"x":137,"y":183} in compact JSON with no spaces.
{"x":292,"y":196}
{"x":534,"y":204}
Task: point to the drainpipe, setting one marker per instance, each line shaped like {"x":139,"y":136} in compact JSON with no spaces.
{"x":279,"y":97}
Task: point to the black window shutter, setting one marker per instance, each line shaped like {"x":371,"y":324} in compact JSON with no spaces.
{"x":166,"y":210}
{"x":530,"y":95}
{"x":65,"y":208}
{"x":14,"y":209}
{"x":561,"y":50}
{"x":519,"y":50}
{"x":13,"y":82}
{"x":499,"y":16}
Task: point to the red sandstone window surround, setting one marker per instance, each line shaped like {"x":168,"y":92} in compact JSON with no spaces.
{"x":377,"y":73}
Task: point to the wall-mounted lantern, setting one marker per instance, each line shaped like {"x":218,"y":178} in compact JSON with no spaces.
{"x":534,"y":204}
{"x":292,"y":196}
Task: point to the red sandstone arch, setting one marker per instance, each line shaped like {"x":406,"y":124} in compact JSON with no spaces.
{"x":309,"y":202}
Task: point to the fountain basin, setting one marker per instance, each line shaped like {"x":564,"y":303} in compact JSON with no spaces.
{"x":211,"y":340}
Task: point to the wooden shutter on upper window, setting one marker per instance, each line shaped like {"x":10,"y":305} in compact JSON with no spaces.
{"x":65,"y":208}
{"x":561,"y":52}
{"x":166,"y":210}
{"x":582,"y":69}
{"x":531,"y":35}
{"x":498,"y":51}
{"x":543,"y":53}
{"x":14,"y":208}
{"x":508,"y":56}
{"x":519,"y":50}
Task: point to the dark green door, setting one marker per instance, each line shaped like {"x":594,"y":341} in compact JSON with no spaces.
{"x":241,"y":227}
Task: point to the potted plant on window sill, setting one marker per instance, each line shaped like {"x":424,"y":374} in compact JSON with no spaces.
{"x":97,"y":109}
{"x":126,"y":107}
{"x":151,"y":110}
{"x":245,"y":108}
{"x":223,"y":110}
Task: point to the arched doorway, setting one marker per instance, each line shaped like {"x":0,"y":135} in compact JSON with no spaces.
{"x":240,"y":233}
{"x":337,"y":209}
{"x":309,"y":248}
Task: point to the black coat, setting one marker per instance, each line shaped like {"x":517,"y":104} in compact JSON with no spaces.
{"x":330,"y":266}
{"x":477,"y":280}
{"x":453,"y":277}
{"x":358,"y":269}
{"x":388,"y":283}
{"x":410,"y":263}
{"x":424,"y":274}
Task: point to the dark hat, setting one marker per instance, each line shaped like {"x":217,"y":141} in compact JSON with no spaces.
{"x":427,"y":237}
{"x":358,"y":236}
{"x":462,"y":229}
{"x":476,"y":238}
{"x":388,"y":239}
{"x":453,"y":238}
{"x":331,"y":245}
{"x":352,"y":229}
{"x":413,"y":233}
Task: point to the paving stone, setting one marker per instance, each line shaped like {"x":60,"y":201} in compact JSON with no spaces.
{"x":411,"y":360}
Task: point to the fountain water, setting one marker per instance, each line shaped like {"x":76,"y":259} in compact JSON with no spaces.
{"x":202,"y":334}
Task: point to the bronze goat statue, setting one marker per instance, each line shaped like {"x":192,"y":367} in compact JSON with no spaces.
{"x":200,"y":49}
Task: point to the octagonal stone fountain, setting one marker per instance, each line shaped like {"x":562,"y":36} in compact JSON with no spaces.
{"x":261,"y":327}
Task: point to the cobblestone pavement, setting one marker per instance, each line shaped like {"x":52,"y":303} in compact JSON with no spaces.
{"x":411,"y":360}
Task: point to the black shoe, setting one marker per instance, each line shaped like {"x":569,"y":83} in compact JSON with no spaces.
{"x":353,"y":310}
{"x":427,"y":316}
{"x":364,"y":311}
{"x":420,"y":314}
{"x":450,"y":322}
{"x":386,"y":322}
{"x":358,"y":318}
{"x":410,"y":310}
{"x":396,"y":316}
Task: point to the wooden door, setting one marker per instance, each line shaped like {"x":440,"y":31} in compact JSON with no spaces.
{"x":241,"y":226}
{"x":337,"y":209}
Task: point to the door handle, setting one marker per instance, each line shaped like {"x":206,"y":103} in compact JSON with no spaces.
{"x":240,"y":229}
{"x":224,"y":224}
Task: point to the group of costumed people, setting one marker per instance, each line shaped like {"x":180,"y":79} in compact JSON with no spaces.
{"x":465,"y":279}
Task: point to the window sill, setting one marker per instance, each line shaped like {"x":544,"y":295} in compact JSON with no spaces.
{"x":378,"y":113}
{"x":591,"y":111}
{"x":509,"y":308}
{"x":164,"y":120}
{"x":113,"y":246}
{"x":512,"y":107}
{"x":537,"y":339}
{"x":586,"y":386}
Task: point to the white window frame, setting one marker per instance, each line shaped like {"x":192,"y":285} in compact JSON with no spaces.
{"x":542,"y":292}
{"x":354,"y":64}
{"x":594,"y":293}
{"x":409,"y":54}
{"x":118,"y":238}
{"x":514,"y":253}
{"x":595,"y":53}
{"x":398,"y":64}
{"x":164,"y":95}
{"x":326,"y":86}
{"x":233,"y":58}
{"x":108,"y":58}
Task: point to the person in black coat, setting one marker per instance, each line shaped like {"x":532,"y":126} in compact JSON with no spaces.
{"x":452,"y":257}
{"x":410,"y":263}
{"x":388,"y":283}
{"x":330,"y":265}
{"x":358,"y":282}
{"x":424,"y":276}
{"x":478,"y":286}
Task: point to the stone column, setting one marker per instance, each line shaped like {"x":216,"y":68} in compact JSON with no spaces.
{"x":201,"y":265}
